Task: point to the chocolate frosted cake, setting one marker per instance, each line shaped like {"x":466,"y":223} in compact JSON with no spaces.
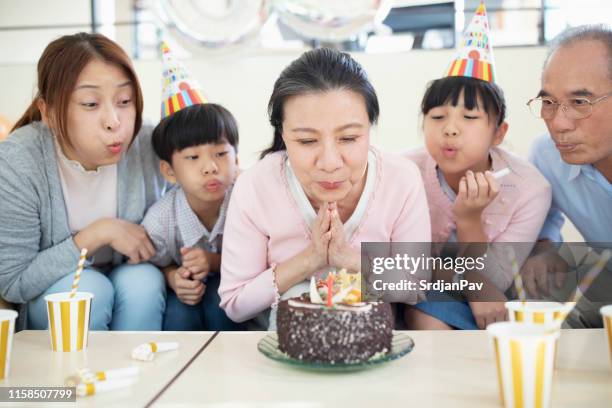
{"x":333,"y":332}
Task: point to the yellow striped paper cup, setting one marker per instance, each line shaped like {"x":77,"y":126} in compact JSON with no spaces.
{"x":524,"y":355}
{"x":7,"y":328}
{"x":537,"y":312}
{"x":606,"y":314}
{"x":68,"y":320}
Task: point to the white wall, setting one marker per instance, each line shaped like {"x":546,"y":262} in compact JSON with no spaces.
{"x":27,"y":45}
{"x":244,"y":82}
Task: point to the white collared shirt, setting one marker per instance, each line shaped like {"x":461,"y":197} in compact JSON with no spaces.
{"x":309,"y":215}
{"x":172,"y":224}
{"x":308,"y":211}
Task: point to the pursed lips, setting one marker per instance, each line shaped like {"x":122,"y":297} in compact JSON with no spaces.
{"x":449,"y":151}
{"x":213,"y":185}
{"x":115,"y":147}
{"x":330,"y":185}
{"x":565,"y":146}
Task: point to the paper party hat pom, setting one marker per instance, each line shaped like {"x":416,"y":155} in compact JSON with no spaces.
{"x":475,"y":56}
{"x":179,"y":88}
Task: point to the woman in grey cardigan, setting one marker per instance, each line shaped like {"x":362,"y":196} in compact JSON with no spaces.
{"x":77,"y":172}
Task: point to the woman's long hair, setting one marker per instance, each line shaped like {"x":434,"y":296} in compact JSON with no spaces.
{"x":58,"y":70}
{"x":318,"y":70}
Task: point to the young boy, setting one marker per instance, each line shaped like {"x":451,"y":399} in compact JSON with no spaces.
{"x":197,"y":146}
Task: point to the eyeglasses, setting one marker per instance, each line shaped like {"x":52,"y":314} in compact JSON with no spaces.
{"x":574,"y":108}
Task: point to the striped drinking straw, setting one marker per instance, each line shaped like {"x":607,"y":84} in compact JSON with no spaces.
{"x":591,"y":276}
{"x":77,"y":273}
{"x":518,"y":281}
{"x":583,"y":286}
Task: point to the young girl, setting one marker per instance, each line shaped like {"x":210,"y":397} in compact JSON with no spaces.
{"x":76,"y":173}
{"x":464,"y":124}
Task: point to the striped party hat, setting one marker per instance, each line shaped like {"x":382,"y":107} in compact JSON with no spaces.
{"x":179,"y":88}
{"x":474,"y":58}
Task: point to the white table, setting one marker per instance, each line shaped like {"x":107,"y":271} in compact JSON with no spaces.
{"x":33,"y":364}
{"x":445,"y":369}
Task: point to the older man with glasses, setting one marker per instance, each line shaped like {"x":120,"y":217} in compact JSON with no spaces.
{"x":576,"y":157}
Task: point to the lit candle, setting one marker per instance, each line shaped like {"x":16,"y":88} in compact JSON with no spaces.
{"x":330,"y":292}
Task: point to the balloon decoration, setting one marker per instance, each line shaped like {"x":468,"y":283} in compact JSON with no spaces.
{"x":5,"y":127}
{"x":331,"y":20}
{"x":212,"y":24}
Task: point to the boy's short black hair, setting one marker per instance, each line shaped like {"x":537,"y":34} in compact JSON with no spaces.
{"x":193,"y":126}
{"x":445,"y":90}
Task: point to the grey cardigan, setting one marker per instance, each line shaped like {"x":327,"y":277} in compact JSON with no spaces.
{"x":36,"y":246}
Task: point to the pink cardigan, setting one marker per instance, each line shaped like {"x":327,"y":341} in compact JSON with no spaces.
{"x":264,"y":226}
{"x":516,"y":215}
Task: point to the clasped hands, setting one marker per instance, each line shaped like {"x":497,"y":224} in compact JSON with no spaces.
{"x":187,"y":279}
{"x":329,"y":244}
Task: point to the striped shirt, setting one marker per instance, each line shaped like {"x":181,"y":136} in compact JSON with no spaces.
{"x":172,"y":225}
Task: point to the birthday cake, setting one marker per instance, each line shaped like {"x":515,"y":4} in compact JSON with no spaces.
{"x":332,"y":325}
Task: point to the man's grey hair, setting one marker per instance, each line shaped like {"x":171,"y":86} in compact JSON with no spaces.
{"x":590,"y":32}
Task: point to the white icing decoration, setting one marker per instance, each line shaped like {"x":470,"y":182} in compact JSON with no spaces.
{"x":357,"y":307}
{"x":314,"y":293}
{"x":305,"y":305}
{"x":365,"y":308}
